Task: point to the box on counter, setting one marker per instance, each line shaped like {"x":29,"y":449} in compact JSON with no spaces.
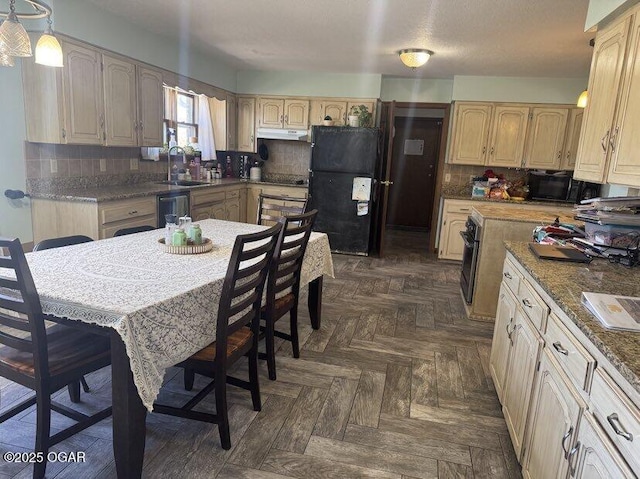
{"x":616,"y":236}
{"x":480,"y":189}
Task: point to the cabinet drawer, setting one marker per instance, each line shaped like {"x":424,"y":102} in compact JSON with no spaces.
{"x":619,"y":417}
{"x":119,"y":211}
{"x":533,"y":305}
{"x":464,"y":208}
{"x":109,"y":231}
{"x":233,"y":194}
{"x":574,"y":359}
{"x":511,"y":277}
{"x":206,"y":197}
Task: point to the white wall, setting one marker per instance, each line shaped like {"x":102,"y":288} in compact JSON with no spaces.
{"x":600,"y":9}
{"x":428,"y":90}
{"x":292,"y":83}
{"x":517,"y":89}
{"x":86,"y":22}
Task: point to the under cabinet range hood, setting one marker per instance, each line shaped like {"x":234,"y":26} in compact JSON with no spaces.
{"x":280,"y":134}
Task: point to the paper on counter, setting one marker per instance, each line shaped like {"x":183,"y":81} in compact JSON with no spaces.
{"x":361,"y":189}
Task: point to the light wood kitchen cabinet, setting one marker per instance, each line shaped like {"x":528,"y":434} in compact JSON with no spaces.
{"x":501,"y":344}
{"x":232,"y":119}
{"x":218,"y":204}
{"x":284,"y":113}
{"x":508,"y":133}
{"x":525,"y":346}
{"x":597,"y":457}
{"x":605,"y":80}
{"x":83,"y":98}
{"x":546,"y":137}
{"x":120,"y":101}
{"x":246,"y":124}
{"x":115,"y":215}
{"x":369,"y":104}
{"x":625,"y":141}
{"x":471,"y":125}
{"x":43,"y":102}
{"x":336,"y":109}
{"x":553,"y":424}
{"x":150,"y":106}
{"x":454,"y":217}
{"x":573,"y":138}
{"x":253,"y":193}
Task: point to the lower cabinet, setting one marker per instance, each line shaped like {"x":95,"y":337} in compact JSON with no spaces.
{"x":454,"y":217}
{"x":501,"y":346}
{"x":253,"y":195}
{"x":553,"y":424}
{"x":221,"y":205}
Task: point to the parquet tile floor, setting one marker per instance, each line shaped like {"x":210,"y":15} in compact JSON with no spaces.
{"x":394,"y":385}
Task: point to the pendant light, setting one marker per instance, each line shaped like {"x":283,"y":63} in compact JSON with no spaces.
{"x":6,"y":60}
{"x":13,"y":37}
{"x":415,"y":57}
{"x":583,"y":99}
{"x":48,"y":49}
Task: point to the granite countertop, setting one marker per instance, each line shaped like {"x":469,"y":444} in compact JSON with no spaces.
{"x":565,"y":282}
{"x":527,"y":215}
{"x":121,"y":192}
{"x":467,"y":197}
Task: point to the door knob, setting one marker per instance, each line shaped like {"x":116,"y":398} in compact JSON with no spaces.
{"x":386,"y":183}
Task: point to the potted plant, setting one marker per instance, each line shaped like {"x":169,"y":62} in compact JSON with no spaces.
{"x":328,"y":121}
{"x":360,"y":116}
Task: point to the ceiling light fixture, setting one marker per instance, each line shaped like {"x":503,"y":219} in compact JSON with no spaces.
{"x":15,"y":42}
{"x":414,"y":57}
{"x":583,"y":99}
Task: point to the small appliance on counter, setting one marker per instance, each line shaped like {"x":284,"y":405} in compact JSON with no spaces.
{"x":560,"y":186}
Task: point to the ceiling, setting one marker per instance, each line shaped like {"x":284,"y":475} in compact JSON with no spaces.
{"x":532,"y":38}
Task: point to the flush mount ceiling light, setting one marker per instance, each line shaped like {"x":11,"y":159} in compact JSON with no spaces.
{"x":414,"y":57}
{"x":14,"y":39}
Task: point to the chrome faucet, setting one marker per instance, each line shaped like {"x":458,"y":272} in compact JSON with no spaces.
{"x":184,"y":159}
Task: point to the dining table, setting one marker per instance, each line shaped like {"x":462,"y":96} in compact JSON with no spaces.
{"x":157,"y":307}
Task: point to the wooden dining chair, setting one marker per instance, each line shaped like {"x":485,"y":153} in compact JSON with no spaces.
{"x":132,"y":230}
{"x":74,"y":389}
{"x":39,"y":358}
{"x":237,"y":331}
{"x":283,"y":286}
{"x":273,"y":207}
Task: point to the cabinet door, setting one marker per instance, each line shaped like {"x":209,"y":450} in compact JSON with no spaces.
{"x":501,"y":344}
{"x":604,"y":83}
{"x":270,"y":112}
{"x":572,"y":139}
{"x":598,"y":458}
{"x":43,"y":102}
{"x":552,"y":425}
{"x":296,"y":114}
{"x":546,"y":138}
{"x":233,"y":209}
{"x":219,"y":211}
{"x":625,"y":141}
{"x":470,"y":133}
{"x":253,"y":194}
{"x":508,"y":132}
{"x":521,"y":370}
{"x":119,"y":80}
{"x":150,"y":107}
{"x":232,"y":119}
{"x":451,"y":244}
{"x":246,"y":124}
{"x":201,"y":213}
{"x":82,"y":78}
{"x":337,"y":110}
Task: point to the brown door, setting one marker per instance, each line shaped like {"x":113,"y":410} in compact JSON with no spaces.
{"x":414,"y":161}
{"x":384,"y":174}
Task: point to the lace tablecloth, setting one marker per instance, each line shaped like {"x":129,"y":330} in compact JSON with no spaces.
{"x":162,"y":305}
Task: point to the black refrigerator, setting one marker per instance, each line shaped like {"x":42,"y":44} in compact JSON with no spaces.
{"x":340,"y":155}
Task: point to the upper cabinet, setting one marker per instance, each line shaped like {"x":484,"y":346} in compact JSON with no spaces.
{"x":570,"y":151}
{"x":600,"y":132}
{"x":96,"y":99}
{"x":283,"y":113}
{"x":232,"y":118}
{"x":337,"y":109}
{"x":546,"y":138}
{"x":513,"y":135}
{"x":246,"y":124}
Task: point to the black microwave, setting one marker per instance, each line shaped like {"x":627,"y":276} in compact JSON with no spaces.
{"x":560,"y":187}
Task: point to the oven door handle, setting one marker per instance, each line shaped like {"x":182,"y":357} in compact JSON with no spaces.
{"x":465,"y":238}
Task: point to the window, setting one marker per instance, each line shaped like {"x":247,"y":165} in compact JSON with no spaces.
{"x":181,"y":110}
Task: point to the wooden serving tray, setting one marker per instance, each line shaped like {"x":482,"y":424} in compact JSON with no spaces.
{"x":207,"y":245}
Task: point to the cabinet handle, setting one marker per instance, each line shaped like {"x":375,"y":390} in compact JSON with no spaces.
{"x":491,"y":152}
{"x":612,"y":140}
{"x":560,"y":154}
{"x":564,"y":439}
{"x":510,"y":333}
{"x":568,"y":154}
{"x":282,"y":118}
{"x":464,"y":209}
{"x":484,"y":150}
{"x":603,"y":141}
{"x":570,"y":456}
{"x":558,"y":347}
{"x":251,"y":139}
{"x":101,"y":120}
{"x":135,"y":126}
{"x":141,"y":127}
{"x":286,"y":118}
{"x":507,"y":275}
{"x":64,"y":133}
{"x":617,"y":427}
{"x":133,"y":212}
{"x":527,"y":303}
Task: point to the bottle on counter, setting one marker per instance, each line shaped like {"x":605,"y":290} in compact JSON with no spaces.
{"x":169,"y":228}
{"x":229,"y":171}
{"x":187,"y":175}
{"x":179,"y":237}
{"x":195,"y":233}
{"x":172,"y":141}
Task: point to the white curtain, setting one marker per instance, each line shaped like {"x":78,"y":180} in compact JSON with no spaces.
{"x":205,"y":130}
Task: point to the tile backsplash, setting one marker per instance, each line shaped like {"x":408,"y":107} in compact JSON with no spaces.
{"x":288,"y":158}
{"x":460,"y":176}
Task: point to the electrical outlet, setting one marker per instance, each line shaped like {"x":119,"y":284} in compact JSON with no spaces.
{"x":133,"y":164}
{"x":471,"y":177}
{"x":53,"y":164}
{"x":447,"y":178}
{"x":103,"y":164}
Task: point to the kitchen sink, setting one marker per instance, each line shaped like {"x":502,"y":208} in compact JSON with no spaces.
{"x":182,"y":182}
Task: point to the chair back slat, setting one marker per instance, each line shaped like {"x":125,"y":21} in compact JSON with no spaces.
{"x":8,"y":283}
{"x":20,"y":310}
{"x":287,"y":260}
{"x":133,"y":230}
{"x":241,"y":296}
{"x":273,"y":207}
{"x":61,"y":241}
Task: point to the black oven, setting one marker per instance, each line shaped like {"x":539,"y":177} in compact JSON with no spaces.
{"x":471,"y":238}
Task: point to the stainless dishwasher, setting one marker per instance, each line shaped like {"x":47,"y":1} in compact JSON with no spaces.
{"x":175,"y":203}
